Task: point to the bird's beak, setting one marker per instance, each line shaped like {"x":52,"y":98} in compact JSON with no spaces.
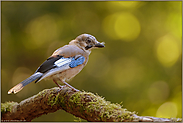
{"x":100,"y":45}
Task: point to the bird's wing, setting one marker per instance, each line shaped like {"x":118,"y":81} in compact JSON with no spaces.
{"x":68,"y":56}
{"x":57,"y":64}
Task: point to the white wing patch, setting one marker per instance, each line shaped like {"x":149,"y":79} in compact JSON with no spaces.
{"x":63,"y":61}
{"x":62,"y":64}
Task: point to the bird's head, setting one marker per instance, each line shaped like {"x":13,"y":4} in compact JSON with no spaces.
{"x":87,"y":42}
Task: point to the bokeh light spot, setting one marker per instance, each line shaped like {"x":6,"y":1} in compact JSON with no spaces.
{"x":123,"y":25}
{"x":123,"y":5}
{"x":168,"y":50}
{"x":127,"y":27}
{"x":126,"y":4}
{"x":167,"y":110}
{"x":174,"y":24}
{"x":158,"y":92}
{"x":177,"y":99}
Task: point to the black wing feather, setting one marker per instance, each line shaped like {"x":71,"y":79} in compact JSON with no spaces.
{"x":48,"y":64}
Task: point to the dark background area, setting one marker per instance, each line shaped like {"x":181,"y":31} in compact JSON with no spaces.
{"x":140,"y":65}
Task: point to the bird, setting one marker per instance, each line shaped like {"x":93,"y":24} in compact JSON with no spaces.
{"x":65,"y":62}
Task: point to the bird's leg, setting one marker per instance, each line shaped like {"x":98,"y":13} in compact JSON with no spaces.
{"x":57,"y":84}
{"x":69,"y":86}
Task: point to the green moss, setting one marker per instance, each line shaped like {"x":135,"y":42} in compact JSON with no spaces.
{"x":87,"y":102}
{"x":43,"y":93}
{"x":7,"y":106}
{"x":56,"y":100}
{"x":76,"y":98}
{"x":61,"y":101}
{"x":52,"y":99}
{"x":98,"y":104}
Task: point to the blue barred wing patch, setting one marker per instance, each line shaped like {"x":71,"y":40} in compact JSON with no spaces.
{"x":75,"y":62}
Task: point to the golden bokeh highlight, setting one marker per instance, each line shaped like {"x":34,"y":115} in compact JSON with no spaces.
{"x":167,"y":110}
{"x":174,"y":24}
{"x":122,"y":4}
{"x":177,"y":99}
{"x":168,"y":50}
{"x":127,"y":26}
{"x":124,"y":26}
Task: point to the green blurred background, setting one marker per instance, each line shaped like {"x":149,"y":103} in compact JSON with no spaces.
{"x":140,"y":65}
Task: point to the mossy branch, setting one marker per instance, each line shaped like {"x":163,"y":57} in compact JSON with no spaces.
{"x":85,"y":105}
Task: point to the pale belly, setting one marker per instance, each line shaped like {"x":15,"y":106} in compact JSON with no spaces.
{"x":67,"y":74}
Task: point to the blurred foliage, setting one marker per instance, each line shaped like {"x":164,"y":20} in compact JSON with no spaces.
{"x":140,"y":65}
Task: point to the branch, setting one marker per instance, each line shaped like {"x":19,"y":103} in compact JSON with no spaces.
{"x":85,"y":105}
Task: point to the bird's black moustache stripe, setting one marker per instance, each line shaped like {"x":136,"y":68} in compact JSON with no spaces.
{"x":88,"y":47}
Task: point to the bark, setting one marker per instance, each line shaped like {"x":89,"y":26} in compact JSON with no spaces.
{"x":85,"y":105}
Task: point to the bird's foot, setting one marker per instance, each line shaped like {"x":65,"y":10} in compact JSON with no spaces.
{"x":58,"y":85}
{"x":60,"y":88}
{"x":74,"y":89}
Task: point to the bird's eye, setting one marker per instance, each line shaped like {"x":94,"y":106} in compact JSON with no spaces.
{"x":89,"y":41}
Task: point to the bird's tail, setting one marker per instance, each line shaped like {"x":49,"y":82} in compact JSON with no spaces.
{"x":20,"y":86}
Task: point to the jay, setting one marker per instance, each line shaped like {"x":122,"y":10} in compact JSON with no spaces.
{"x":65,"y":63}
